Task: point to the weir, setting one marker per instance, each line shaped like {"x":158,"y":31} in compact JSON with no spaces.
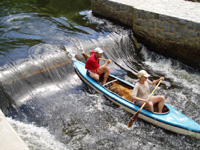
{"x":50,"y":106}
{"x":169,"y":27}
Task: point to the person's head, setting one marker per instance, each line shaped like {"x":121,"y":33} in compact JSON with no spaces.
{"x":98,"y":52}
{"x":142,"y":74}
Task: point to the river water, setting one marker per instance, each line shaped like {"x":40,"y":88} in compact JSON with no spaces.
{"x":52,"y":109}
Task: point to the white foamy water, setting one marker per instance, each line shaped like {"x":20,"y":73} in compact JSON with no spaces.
{"x":37,"y":138}
{"x":172,"y":70}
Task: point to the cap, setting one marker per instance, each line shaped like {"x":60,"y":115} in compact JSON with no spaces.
{"x":98,"y":50}
{"x":142,"y":73}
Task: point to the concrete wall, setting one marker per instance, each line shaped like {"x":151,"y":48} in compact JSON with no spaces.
{"x":9,"y":139}
{"x":171,"y":36}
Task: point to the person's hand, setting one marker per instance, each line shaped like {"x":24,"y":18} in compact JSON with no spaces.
{"x":147,"y":101}
{"x":109,"y":61}
{"x":162,"y":78}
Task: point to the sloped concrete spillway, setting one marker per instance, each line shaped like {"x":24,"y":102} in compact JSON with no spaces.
{"x":8,"y":134}
{"x":169,"y":27}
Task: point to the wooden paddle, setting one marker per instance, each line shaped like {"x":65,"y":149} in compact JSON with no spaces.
{"x":130,"y":123}
{"x":87,"y":56}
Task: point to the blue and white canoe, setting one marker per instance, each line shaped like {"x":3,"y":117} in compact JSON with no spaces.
{"x":171,"y":119}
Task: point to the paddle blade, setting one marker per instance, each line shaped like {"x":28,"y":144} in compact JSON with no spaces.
{"x":130,"y":123}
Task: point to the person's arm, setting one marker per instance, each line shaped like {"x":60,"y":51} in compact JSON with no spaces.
{"x":140,"y":99}
{"x":156,"y":81}
{"x":107,"y":62}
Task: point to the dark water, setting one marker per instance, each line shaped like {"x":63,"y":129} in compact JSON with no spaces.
{"x":47,"y":103}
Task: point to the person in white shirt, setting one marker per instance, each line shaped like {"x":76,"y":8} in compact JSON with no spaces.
{"x":141,"y":92}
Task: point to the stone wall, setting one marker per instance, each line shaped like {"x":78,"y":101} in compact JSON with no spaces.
{"x":170,"y":36}
{"x":193,"y":0}
{"x":113,"y":10}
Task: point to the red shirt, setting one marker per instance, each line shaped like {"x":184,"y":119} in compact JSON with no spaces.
{"x":92,"y":62}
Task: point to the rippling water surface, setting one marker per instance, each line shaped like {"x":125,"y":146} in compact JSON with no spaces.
{"x":47,"y":103}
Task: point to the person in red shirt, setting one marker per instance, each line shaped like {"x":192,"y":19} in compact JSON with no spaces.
{"x":94,"y":70}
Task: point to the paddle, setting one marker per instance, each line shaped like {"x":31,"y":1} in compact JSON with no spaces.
{"x":130,"y":123}
{"x":86,"y":56}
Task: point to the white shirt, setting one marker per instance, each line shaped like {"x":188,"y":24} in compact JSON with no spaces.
{"x":141,"y":90}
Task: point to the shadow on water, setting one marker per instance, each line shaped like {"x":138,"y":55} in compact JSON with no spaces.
{"x":51,"y":108}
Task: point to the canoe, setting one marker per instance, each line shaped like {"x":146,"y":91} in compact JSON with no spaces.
{"x":171,"y":119}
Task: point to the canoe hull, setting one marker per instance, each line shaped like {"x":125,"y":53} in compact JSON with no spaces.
{"x":153,"y":120}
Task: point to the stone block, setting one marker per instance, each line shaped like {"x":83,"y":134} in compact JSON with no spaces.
{"x":156,"y":16}
{"x":184,"y":31}
{"x":169,"y":36}
{"x":198,"y":41}
{"x":177,"y":28}
{"x":118,"y":7}
{"x":167,"y":18}
{"x":113,"y":4}
{"x":197,"y":27}
{"x":130,"y":8}
{"x":172,"y":27}
{"x":139,"y":13}
{"x":128,"y":13}
{"x":174,"y":19}
{"x":159,"y":34}
{"x":136,"y":13}
{"x":162,"y":17}
{"x":151,"y":15}
{"x":152,"y":23}
{"x":147,"y":15}
{"x":137,"y":29}
{"x":143,"y":14}
{"x":159,"y":24}
{"x":166,"y":26}
{"x":140,"y":31}
{"x":138,"y":22}
{"x":191,"y":25}
{"x":145,"y":25}
{"x":152,"y":33}
{"x":182,"y":22}
{"x":177,"y":35}
{"x":191,"y":39}
{"x":192,"y":33}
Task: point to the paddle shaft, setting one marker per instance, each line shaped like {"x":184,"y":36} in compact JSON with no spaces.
{"x":136,"y":115}
{"x":87,"y":56}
